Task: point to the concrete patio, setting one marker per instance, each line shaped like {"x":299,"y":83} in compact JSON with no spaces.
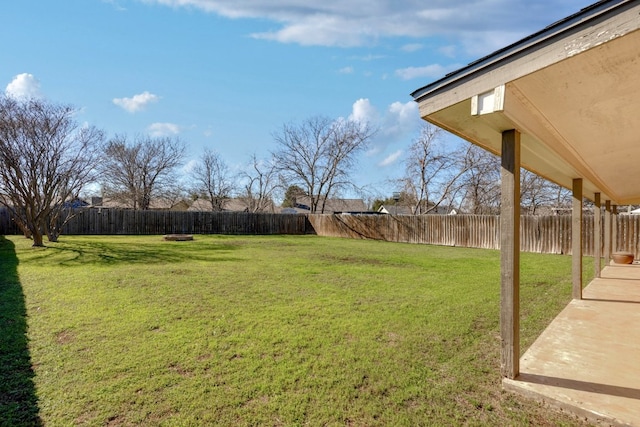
{"x":587,"y":361}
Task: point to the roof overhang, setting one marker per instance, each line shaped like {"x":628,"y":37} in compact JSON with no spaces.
{"x":573,"y":92}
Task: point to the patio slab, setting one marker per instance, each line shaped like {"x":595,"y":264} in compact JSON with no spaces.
{"x":587,"y":361}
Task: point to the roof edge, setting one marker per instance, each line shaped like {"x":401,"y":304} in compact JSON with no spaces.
{"x":578,"y":19}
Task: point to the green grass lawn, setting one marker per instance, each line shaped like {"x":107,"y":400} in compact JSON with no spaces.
{"x":253,"y":331}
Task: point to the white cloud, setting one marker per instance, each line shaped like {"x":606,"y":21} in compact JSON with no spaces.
{"x":401,"y":121}
{"x":163,"y":129}
{"x":317,"y":31}
{"x":449,"y":50}
{"x":24,"y":86}
{"x":394,"y":126}
{"x":399,"y":118}
{"x":364,"y":112}
{"x":433,"y":70}
{"x":391,"y":159}
{"x":369,"y":57}
{"x":191,"y":164}
{"x":136,"y":102}
{"x":489,"y":42}
{"x":412,"y":47}
{"x":346,"y":70}
{"x":365,"y":22}
{"x":117,"y":6}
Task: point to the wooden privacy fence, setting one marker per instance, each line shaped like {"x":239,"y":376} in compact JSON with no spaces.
{"x":7,"y":226}
{"x":449,"y":230}
{"x":126,"y":221}
{"x":544,"y":234}
{"x":110,"y":221}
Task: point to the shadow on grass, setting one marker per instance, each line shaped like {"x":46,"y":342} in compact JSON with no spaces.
{"x":18,"y":401}
{"x":97,"y":251}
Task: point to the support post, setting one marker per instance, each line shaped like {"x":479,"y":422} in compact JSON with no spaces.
{"x":576,"y":239}
{"x":607,"y":232}
{"x":597,"y":240}
{"x":614,"y":228}
{"x":510,"y":254}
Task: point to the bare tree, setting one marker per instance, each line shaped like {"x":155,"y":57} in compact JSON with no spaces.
{"x":562,"y":197}
{"x":46,"y":159}
{"x":536,"y":192}
{"x":481,"y":181}
{"x":481,"y":184}
{"x":134,"y":172}
{"x":432,"y":173}
{"x":260,"y":184}
{"x":212,"y":180}
{"x":318,"y":155}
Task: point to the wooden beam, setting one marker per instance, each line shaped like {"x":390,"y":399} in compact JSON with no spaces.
{"x":607,"y":232}
{"x":576,"y":238}
{"x":597,"y":240}
{"x":510,"y":254}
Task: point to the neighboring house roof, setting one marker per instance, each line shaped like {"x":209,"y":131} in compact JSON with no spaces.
{"x":156,"y":204}
{"x":291,"y":211}
{"x":395,"y":210}
{"x":106,"y":202}
{"x":200,"y":205}
{"x":235,"y":205}
{"x":408,"y":210}
{"x":75,"y":203}
{"x":229,"y":205}
{"x":169,"y":204}
{"x":332,"y":205}
{"x":204,"y":205}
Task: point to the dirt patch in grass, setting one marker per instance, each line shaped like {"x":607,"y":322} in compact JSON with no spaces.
{"x":65,"y":337}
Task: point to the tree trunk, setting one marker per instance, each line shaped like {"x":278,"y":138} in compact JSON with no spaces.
{"x":52,"y":236}
{"x":23,"y":227}
{"x":51,"y":230}
{"x":36,"y":235}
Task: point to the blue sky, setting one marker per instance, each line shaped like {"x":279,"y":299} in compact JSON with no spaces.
{"x":227,"y":74}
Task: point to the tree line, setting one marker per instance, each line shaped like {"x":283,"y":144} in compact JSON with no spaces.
{"x":463,"y":177}
{"x":47,"y":160}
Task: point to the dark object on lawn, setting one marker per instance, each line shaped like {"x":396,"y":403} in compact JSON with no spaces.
{"x":622,"y":257}
{"x":178,"y":237}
